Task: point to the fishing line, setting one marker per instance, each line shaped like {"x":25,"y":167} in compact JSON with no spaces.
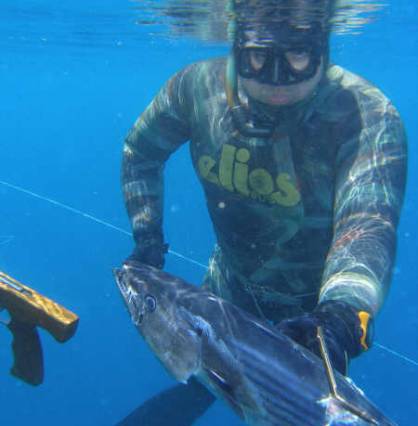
{"x":89,"y":217}
{"x":6,"y":239}
{"x":399,"y":355}
{"x":174,"y":253}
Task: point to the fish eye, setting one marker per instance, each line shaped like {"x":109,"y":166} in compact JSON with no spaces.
{"x":150,"y":303}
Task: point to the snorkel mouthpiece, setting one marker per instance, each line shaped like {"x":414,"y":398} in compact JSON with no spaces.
{"x":240,"y":114}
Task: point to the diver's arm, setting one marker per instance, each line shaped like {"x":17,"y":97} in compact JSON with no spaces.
{"x":369,"y":195}
{"x":157,"y":133}
{"x":368,"y":199}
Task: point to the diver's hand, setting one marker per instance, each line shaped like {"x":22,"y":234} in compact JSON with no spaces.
{"x":346,"y":331}
{"x":151,"y":252}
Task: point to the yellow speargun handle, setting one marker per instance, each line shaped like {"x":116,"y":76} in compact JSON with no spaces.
{"x":29,"y":306}
{"x":29,"y":309}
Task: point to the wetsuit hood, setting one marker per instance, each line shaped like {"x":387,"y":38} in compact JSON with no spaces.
{"x":283,"y":24}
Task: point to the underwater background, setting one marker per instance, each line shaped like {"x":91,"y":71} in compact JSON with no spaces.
{"x":74,"y":75}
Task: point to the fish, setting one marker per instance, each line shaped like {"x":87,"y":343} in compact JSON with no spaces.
{"x":263,"y":375}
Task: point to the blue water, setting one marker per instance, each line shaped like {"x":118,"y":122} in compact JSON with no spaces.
{"x":73,"y":78}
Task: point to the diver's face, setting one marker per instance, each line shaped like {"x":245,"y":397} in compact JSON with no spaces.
{"x":283,"y":95}
{"x":281,"y":65}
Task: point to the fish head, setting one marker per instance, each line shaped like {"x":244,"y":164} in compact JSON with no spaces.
{"x":153,"y":301}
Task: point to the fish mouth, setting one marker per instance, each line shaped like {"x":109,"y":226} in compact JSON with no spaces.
{"x":129,"y":295}
{"x":118,"y":273}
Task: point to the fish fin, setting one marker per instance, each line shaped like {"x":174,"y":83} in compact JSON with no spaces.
{"x":220,"y":382}
{"x":180,"y":405}
{"x":224,"y":389}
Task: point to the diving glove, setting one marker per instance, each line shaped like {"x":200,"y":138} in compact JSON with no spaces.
{"x":347,"y":331}
{"x":151,"y":251}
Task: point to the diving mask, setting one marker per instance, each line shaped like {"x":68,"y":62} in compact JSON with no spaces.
{"x":282,"y":57}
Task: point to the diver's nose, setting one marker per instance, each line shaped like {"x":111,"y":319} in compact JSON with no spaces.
{"x":275,"y":72}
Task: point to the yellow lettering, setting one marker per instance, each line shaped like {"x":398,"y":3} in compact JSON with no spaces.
{"x":234,"y":175}
{"x":287,"y":195}
{"x":241,"y":171}
{"x":261,"y":182}
{"x":205,"y":165}
{"x":226,"y":166}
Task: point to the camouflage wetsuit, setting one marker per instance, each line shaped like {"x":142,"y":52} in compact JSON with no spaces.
{"x":308,"y":214}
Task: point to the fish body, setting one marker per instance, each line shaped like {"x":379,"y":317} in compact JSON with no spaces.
{"x":266,"y":377}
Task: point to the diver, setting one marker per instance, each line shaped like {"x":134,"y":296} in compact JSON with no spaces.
{"x":303,"y":165}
